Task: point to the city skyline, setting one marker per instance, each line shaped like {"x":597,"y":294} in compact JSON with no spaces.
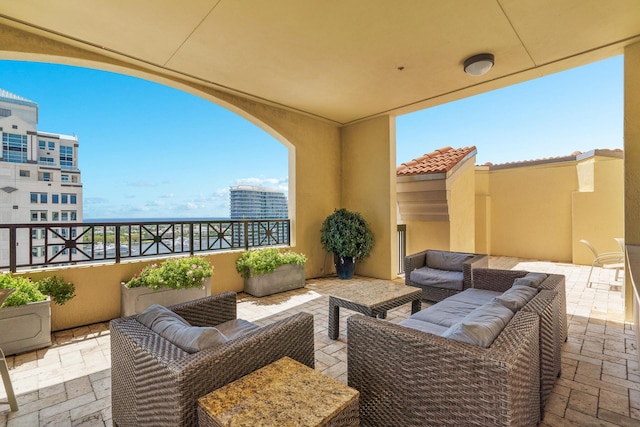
{"x":151,"y":151}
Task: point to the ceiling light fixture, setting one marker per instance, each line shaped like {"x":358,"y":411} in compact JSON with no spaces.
{"x":478,"y":65}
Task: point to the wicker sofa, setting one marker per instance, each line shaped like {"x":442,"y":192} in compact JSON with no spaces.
{"x":441,"y":274}
{"x":156,"y":383}
{"x":412,"y":377}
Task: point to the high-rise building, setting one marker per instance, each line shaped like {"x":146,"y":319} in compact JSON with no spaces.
{"x":250,"y":202}
{"x":39,"y":180}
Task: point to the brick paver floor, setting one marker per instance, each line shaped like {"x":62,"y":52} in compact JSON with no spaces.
{"x":68,"y":384}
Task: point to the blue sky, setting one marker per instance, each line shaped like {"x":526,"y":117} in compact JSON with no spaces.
{"x":150,"y":151}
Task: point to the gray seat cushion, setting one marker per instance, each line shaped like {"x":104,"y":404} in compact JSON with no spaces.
{"x":236,"y":328}
{"x":445,"y":313}
{"x":444,"y":279}
{"x":431,"y":328}
{"x":474,"y":296}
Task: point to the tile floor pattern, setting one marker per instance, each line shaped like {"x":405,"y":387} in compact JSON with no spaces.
{"x":68,"y":384}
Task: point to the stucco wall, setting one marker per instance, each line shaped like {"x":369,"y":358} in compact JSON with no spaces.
{"x":461,"y":198}
{"x":531,"y":211}
{"x":368,"y":187}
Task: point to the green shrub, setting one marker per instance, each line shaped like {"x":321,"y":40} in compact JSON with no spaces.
{"x":174,"y":273}
{"x":263,"y":261}
{"x":25,"y":290}
{"x":346,"y":233}
{"x":57,"y":288}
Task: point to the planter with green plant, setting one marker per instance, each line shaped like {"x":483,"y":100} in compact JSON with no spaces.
{"x":25,"y":316}
{"x":269,"y":271}
{"x":170,"y":282}
{"x":348,"y":237}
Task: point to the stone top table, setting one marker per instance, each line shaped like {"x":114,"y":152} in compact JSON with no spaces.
{"x":284,"y":393}
{"x":372,"y":298}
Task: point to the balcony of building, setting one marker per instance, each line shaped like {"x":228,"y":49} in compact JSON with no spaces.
{"x":69,"y":382}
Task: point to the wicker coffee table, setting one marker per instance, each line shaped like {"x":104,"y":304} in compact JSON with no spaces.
{"x":285,"y":393}
{"x":372,"y":298}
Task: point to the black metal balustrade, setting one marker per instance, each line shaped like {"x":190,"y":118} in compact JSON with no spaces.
{"x":49,"y":244}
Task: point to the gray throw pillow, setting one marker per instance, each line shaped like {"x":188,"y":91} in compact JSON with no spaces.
{"x":452,"y":261}
{"x":531,"y":279}
{"x":516,"y":297}
{"x":482,"y":326}
{"x":178,"y":331}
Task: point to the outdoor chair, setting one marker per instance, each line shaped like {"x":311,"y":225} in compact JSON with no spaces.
{"x":156,"y":383}
{"x":4,"y":370}
{"x":605,"y":260}
{"x":441,"y":274}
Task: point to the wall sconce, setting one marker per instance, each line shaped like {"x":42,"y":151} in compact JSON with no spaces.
{"x":478,"y":65}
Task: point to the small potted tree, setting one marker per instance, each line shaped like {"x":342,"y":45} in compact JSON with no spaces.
{"x":173,"y":281}
{"x":269,"y":271}
{"x":25,"y":316}
{"x":348,"y":237}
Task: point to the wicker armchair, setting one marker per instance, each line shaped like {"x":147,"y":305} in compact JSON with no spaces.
{"x":431,"y":293}
{"x":407,"y":377}
{"x":155,"y":383}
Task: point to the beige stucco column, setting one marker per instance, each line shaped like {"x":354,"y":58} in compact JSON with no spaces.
{"x":368,"y":186}
{"x":632,"y":167}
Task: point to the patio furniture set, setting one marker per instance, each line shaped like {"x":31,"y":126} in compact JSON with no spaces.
{"x":170,"y":368}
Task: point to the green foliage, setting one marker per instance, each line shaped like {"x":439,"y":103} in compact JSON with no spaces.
{"x":25,"y":290}
{"x":57,"y":288}
{"x":262,"y":261}
{"x":174,"y":273}
{"x":346,"y":233}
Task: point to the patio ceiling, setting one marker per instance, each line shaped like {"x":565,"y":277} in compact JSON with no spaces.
{"x":342,"y":61}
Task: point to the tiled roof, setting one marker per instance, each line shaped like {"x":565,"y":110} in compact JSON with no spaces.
{"x":439,"y":161}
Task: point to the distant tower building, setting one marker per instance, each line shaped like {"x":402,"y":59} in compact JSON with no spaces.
{"x":249,"y":202}
{"x":259,"y":203}
{"x":39,"y":180}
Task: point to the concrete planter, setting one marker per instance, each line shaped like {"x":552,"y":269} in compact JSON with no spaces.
{"x":25,"y":327}
{"x":284,"y":278}
{"x":136,"y":300}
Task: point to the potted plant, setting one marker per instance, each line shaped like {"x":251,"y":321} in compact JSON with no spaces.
{"x":348,"y":237}
{"x":25,"y":316}
{"x":269,"y":271}
{"x":172,"y":281}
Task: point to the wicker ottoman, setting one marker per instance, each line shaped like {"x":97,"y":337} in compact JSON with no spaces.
{"x":284,"y":393}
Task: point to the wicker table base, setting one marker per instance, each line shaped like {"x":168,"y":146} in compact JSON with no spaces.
{"x":372,"y":298}
{"x":285,"y":394}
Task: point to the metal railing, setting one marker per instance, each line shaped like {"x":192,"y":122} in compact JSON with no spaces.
{"x":48,"y":244}
{"x":402,"y":246}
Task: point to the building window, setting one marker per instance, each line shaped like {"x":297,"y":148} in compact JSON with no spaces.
{"x":64,"y":233}
{"x":24,"y":173}
{"x":65,"y":199}
{"x":43,"y":197}
{"x":44,"y":160}
{"x":64,"y":178}
{"x":54,"y":198}
{"x":65,"y":215}
{"x":42,"y":145}
{"x":34,"y":197}
{"x":34,"y":215}
{"x":55,"y":216}
{"x":52,"y":146}
{"x":74,"y":178}
{"x":37,"y":251}
{"x":72,"y":199}
{"x":38,"y":215}
{"x":4,"y":112}
{"x":43,"y":216}
{"x":14,"y":148}
{"x":66,"y":156}
{"x":74,"y":215}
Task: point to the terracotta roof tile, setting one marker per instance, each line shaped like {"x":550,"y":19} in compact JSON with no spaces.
{"x":438,"y":161}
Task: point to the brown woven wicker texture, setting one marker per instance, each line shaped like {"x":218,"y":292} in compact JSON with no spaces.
{"x":410,"y":378}
{"x":429,"y":293}
{"x":154,"y":383}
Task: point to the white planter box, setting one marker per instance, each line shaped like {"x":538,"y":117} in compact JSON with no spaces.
{"x":136,"y":300}
{"x":284,"y":278}
{"x":25,"y":327}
